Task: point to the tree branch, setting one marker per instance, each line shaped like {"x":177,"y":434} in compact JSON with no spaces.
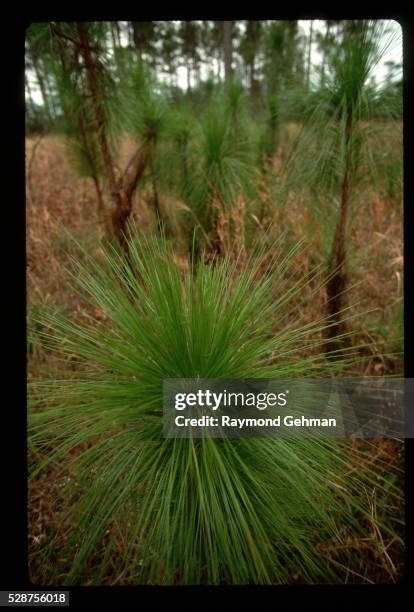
{"x":75,"y":41}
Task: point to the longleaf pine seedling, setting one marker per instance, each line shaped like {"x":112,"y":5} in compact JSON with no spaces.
{"x":143,"y":509}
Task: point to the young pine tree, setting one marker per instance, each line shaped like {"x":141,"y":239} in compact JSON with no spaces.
{"x":138,"y":508}
{"x":341,"y":145}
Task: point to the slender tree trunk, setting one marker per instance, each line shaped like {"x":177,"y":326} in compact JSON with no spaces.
{"x":155,"y":199}
{"x":337,"y":272}
{"x":309,"y":55}
{"x":137,"y":38}
{"x":118,"y":33}
{"x":41,"y":82}
{"x":100,"y":113}
{"x":254,"y":83}
{"x":196,"y":72}
{"x":183,"y":147}
{"x":93,"y":165}
{"x":128,"y":183}
{"x":51,"y":100}
{"x":251,"y":76}
{"x":122,"y":208}
{"x":188,"y":76}
{"x":30,"y":102}
{"x":228,"y":49}
{"x":114,"y":43}
{"x":290,"y":50}
{"x":101,"y":206}
{"x":122,"y":188}
{"x":326,"y":42}
{"x":130,"y":30}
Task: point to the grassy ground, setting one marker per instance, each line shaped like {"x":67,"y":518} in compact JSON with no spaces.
{"x":57,"y":197}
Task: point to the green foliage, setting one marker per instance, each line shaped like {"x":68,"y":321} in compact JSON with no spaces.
{"x":137,"y":105}
{"x":231,"y":511}
{"x":342,"y":130}
{"x":174,"y":158}
{"x":223,"y":163}
{"x":82,"y":147}
{"x":235,"y":101}
{"x":78,"y":119}
{"x":270,"y":135}
{"x":320,"y":152}
{"x":35,"y":313}
{"x":283,"y":56}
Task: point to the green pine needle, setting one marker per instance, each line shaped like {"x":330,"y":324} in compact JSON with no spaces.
{"x":150,"y":510}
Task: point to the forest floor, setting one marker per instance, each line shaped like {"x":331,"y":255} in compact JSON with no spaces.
{"x":56,"y":196}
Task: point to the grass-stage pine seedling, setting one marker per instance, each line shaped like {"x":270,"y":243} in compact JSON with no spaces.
{"x":139,"y":508}
{"x":222,"y":168}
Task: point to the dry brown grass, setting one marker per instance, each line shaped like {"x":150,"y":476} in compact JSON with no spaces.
{"x":55,"y":197}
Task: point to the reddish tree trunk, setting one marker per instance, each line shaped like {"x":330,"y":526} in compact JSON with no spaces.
{"x":127,"y":185}
{"x":121,"y":189}
{"x":337,"y":272}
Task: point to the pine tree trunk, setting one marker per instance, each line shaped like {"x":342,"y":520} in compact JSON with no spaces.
{"x":31,"y":103}
{"x":122,"y":188}
{"x":127,"y":186}
{"x":156,"y":201}
{"x":326,"y":42}
{"x":337,"y":272}
{"x":118,"y":33}
{"x":92,"y":163}
{"x":218,"y":60}
{"x":228,"y":49}
{"x":113,"y":36}
{"x":121,"y":205}
{"x":188,"y":76}
{"x":137,"y":38}
{"x":101,"y":119}
{"x":252,"y":77}
{"x":196,"y":72}
{"x":101,"y":206}
{"x":41,"y":82}
{"x":309,"y":54}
